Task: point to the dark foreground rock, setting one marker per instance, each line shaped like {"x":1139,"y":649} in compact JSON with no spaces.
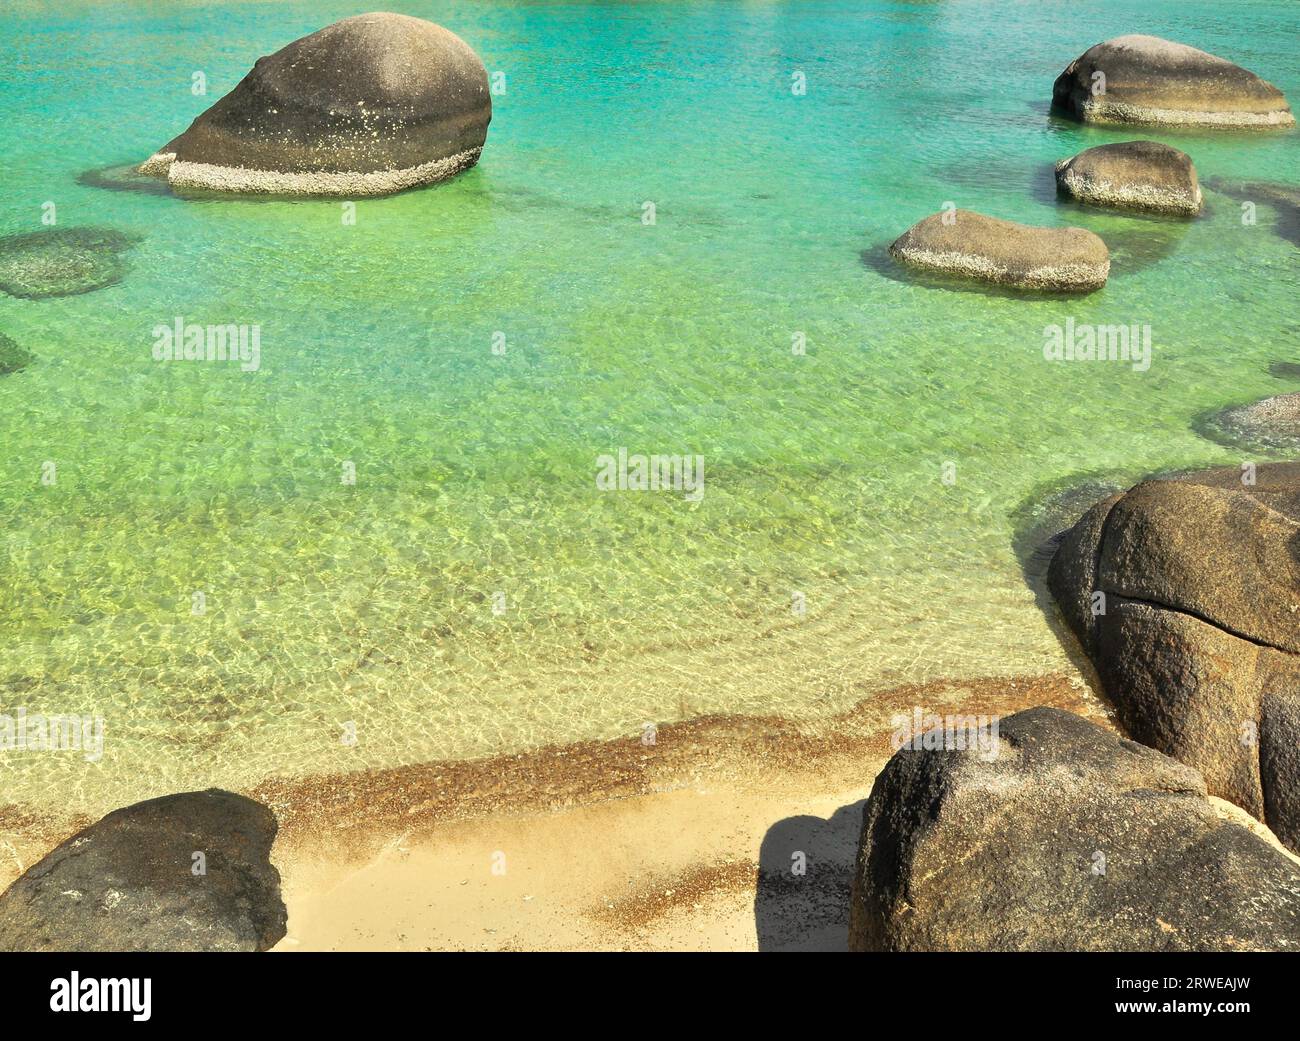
{"x":1071,"y":838}
{"x":62,"y":261}
{"x":129,"y":882}
{"x":971,"y":245}
{"x":1132,"y":175}
{"x":1144,"y":79}
{"x":369,"y":105}
{"x":1185,"y":592}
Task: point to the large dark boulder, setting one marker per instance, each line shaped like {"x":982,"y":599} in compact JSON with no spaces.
{"x":970,"y":245}
{"x":1185,"y":592}
{"x":1132,"y":175}
{"x":1071,"y":838}
{"x":130,"y":882}
{"x":1144,"y":79}
{"x":369,"y":105}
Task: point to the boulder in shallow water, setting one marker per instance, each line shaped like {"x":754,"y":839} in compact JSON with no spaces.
{"x":970,"y":245}
{"x":1069,"y":839}
{"x":1185,"y":592}
{"x":128,"y":882}
{"x":1144,"y":79}
{"x":369,"y":105}
{"x":1132,"y":175}
{"x":62,"y":261}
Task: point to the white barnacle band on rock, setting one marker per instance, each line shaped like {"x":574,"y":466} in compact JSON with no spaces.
{"x":1002,"y":252}
{"x":1144,"y":79}
{"x":1132,"y":175}
{"x":369,"y":105}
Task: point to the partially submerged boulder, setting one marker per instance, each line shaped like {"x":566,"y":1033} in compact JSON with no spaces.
{"x":1185,"y":592}
{"x":369,"y":105}
{"x":1132,"y":175}
{"x":62,"y":261}
{"x":1069,"y":839}
{"x":188,"y":872}
{"x":967,"y":244}
{"x":1144,"y":79}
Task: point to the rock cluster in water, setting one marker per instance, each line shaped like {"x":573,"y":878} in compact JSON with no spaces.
{"x":369,"y":105}
{"x":1130,"y":79}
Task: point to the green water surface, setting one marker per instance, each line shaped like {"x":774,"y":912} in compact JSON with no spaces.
{"x":372,"y":604}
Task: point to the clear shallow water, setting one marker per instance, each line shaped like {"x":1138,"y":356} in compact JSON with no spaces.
{"x":372,"y":603}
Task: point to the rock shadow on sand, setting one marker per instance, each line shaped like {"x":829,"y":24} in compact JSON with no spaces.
{"x":805,"y":872}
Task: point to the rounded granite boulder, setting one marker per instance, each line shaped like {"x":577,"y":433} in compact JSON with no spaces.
{"x":1144,"y":79}
{"x":966,"y":244}
{"x":1062,"y":836}
{"x":1184,"y":592}
{"x":372,"y":104}
{"x":1132,"y":175}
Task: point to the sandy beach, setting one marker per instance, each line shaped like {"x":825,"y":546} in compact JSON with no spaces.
{"x":686,"y":844}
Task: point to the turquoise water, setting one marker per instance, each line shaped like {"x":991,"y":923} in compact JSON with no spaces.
{"x":372,"y":603}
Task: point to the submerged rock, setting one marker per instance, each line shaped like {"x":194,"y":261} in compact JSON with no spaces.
{"x":1270,"y":425}
{"x":1185,"y":592}
{"x":62,"y":261}
{"x":1144,"y":79}
{"x":971,"y":245}
{"x":123,"y":177}
{"x":1132,"y":175}
{"x":1069,"y":839}
{"x":131,"y":882}
{"x":369,"y":105}
{"x":1282,"y":198}
{"x":12,"y":357}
